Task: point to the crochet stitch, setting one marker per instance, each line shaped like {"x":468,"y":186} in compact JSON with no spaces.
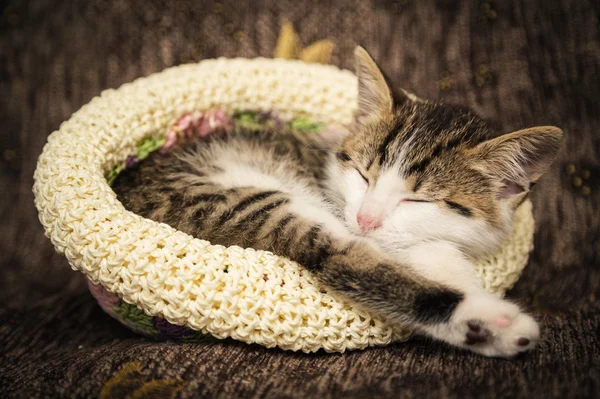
{"x":187,"y":281}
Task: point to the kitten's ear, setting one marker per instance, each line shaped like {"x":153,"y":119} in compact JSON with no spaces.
{"x":375,"y":98}
{"x":518,"y":159}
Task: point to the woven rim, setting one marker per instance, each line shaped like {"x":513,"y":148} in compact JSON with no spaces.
{"x":248,"y":295}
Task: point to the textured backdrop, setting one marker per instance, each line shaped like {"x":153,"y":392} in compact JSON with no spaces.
{"x":518,"y":63}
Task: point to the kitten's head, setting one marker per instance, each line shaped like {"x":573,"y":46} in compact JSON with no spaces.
{"x":411,"y":171}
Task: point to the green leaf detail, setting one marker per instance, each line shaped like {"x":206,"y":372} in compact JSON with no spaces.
{"x":112,"y":175}
{"x":136,"y":319}
{"x":149,"y":145}
{"x":306,"y":125}
{"x":248,"y":120}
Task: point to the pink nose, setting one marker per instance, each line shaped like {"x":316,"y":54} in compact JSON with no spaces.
{"x":367,"y":221}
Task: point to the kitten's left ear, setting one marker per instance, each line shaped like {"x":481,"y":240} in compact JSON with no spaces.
{"x":375,"y":98}
{"x":519,"y":159}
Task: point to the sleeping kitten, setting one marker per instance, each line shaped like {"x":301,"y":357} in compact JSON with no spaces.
{"x":389,"y":216}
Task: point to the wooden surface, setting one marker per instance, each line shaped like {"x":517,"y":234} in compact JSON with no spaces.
{"x":518,"y":63}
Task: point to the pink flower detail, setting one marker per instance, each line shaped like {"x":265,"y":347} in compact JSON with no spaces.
{"x":203,"y":127}
{"x":220,"y":119}
{"x":212,"y":121}
{"x":106,"y":299}
{"x":184,"y":122}
{"x":170,"y":141}
{"x":200,"y":123}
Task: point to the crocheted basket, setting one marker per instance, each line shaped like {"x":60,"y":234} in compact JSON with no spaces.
{"x":148,"y":275}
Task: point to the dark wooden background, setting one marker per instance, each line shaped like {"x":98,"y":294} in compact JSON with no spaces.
{"x":518,"y":63}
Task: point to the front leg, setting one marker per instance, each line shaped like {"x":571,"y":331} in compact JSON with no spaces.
{"x":482,"y":322}
{"x":443,"y":262}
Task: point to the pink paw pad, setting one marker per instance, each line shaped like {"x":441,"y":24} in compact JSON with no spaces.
{"x":503,"y":321}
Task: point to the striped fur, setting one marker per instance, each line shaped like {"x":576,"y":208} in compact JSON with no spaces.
{"x":183,"y":190}
{"x":424,"y":169}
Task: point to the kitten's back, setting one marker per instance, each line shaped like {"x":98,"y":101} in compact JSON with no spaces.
{"x":194,"y":188}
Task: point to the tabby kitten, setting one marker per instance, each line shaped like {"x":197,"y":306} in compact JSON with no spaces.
{"x":389,"y":215}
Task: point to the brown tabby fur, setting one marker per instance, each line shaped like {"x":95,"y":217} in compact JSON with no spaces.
{"x":173,"y":189}
{"x":440,"y":152}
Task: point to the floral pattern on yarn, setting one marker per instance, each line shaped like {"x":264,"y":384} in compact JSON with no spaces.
{"x":106,"y":299}
{"x":197,"y":124}
{"x":80,"y":214}
{"x":139,"y":322}
{"x":135,"y":318}
{"x":204,"y":123}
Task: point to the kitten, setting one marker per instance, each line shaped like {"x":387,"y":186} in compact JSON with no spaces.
{"x":388,"y":216}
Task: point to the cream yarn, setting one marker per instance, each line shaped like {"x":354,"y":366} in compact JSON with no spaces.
{"x":248,"y":295}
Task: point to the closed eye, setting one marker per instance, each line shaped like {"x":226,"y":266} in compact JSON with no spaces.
{"x":411,"y":200}
{"x":461,"y":209}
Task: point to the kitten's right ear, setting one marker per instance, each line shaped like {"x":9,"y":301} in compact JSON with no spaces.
{"x":375,"y":99}
{"x":518,"y":159}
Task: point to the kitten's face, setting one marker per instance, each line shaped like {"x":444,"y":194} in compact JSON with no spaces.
{"x":411,"y":171}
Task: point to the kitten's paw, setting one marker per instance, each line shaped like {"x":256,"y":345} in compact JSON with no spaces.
{"x":493,"y":327}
